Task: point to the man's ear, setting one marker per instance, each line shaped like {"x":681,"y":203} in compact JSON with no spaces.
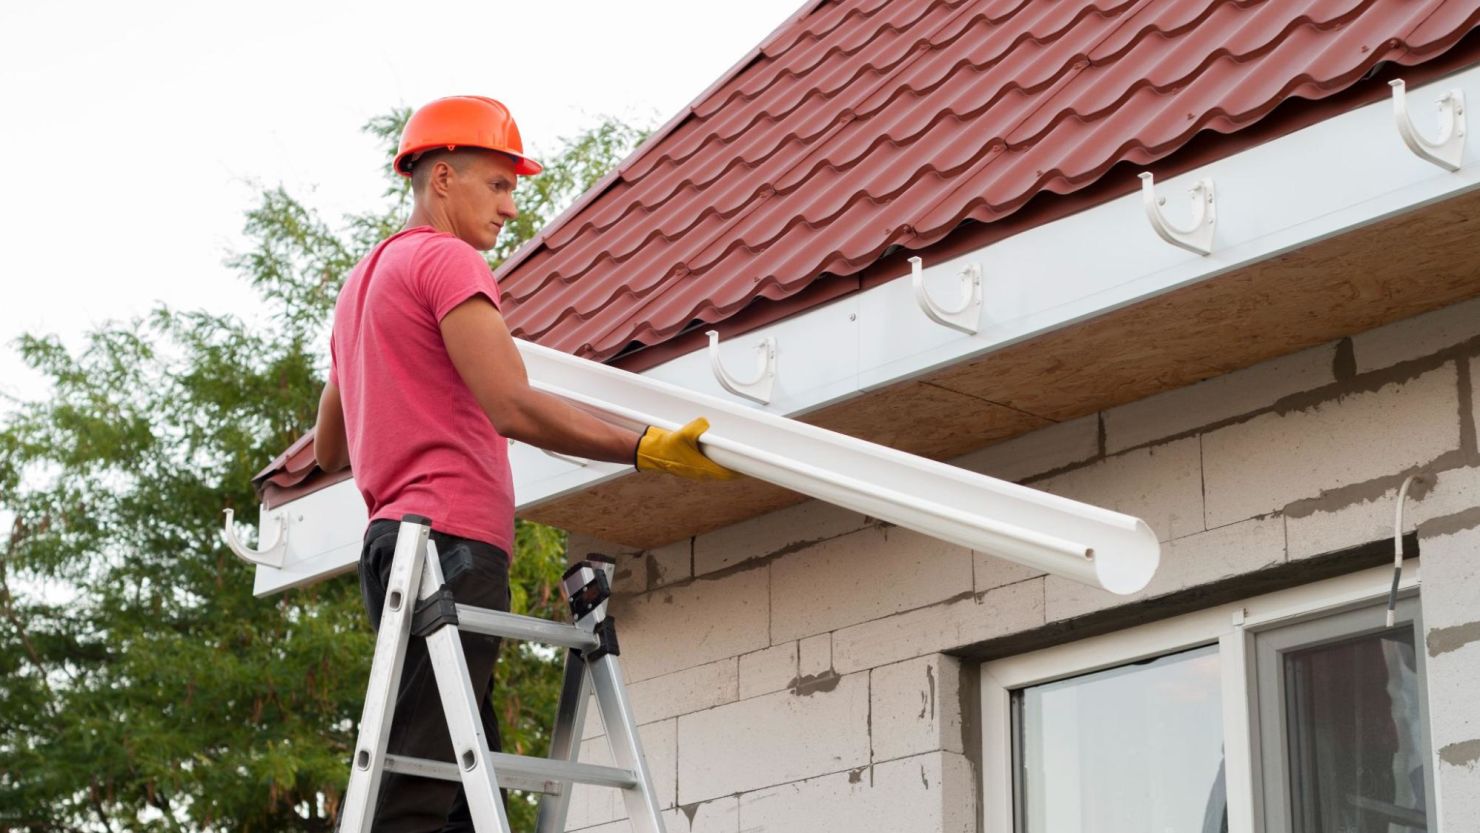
{"x":441,"y":176}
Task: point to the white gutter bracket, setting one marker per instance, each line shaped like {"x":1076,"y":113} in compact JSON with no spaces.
{"x":757,"y":389}
{"x":1448,"y":150}
{"x":1195,"y":238}
{"x":966,"y":317}
{"x":268,"y":556}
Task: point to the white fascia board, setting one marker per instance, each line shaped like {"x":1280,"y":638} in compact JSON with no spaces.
{"x":1329,"y":178}
{"x":324,"y":530}
{"x":1332,"y":177}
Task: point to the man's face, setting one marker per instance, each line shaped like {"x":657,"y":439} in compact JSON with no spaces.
{"x":480,"y":198}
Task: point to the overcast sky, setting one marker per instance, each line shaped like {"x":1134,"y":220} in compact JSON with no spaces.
{"x":136,"y":134}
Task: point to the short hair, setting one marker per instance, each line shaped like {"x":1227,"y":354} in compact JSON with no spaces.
{"x":421,"y":164}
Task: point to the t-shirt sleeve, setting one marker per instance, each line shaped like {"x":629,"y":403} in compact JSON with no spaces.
{"x":333,"y":364}
{"x":448,"y":272}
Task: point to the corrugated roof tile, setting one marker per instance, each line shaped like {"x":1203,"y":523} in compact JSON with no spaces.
{"x":862,"y":124}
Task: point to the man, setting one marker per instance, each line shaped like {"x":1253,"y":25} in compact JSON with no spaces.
{"x":425,"y":385}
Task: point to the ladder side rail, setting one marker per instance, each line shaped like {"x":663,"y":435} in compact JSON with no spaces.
{"x":460,"y":706}
{"x":621,"y":734}
{"x":368,"y":764}
{"x":565,"y":739}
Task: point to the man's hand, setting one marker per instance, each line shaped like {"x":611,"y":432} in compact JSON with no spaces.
{"x":677,"y":452}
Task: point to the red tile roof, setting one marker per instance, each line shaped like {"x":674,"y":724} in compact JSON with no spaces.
{"x":860,"y":125}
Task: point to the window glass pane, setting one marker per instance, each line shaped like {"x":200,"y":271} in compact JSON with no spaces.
{"x":1356,"y":748}
{"x":1135,"y":748}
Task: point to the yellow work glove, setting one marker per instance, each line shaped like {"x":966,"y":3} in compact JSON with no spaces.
{"x":677,"y":452}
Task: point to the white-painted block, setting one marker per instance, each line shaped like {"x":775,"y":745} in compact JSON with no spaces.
{"x":673,"y":822}
{"x":1203,"y":558}
{"x":682,"y":692}
{"x":989,"y":571}
{"x":722,"y":815}
{"x":916,"y":707}
{"x":1259,"y":466}
{"x":931,"y":793}
{"x":940,"y":627}
{"x":1218,"y":398}
{"x":814,"y":655}
{"x":668,"y":564}
{"x":1312,"y":531}
{"x":1451,"y":619}
{"x":598,"y":805}
{"x":594,"y":726}
{"x":1415,"y":337}
{"x":785,"y":530}
{"x":864,"y":575}
{"x":692,"y":623}
{"x":1474,"y":363}
{"x":1459,"y":807}
{"x":1161,"y":484}
{"x":1034,"y":453}
{"x":1453,"y":679}
{"x":773,"y":739}
{"x":636,"y":570}
{"x":767,"y":670}
{"x":1451,"y":575}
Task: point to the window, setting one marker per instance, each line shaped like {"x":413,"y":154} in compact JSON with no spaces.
{"x":1138,"y":747}
{"x":1341,"y":706}
{"x":1295,"y":712}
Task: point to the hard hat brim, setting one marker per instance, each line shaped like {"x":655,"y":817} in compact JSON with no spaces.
{"x":523,"y":165}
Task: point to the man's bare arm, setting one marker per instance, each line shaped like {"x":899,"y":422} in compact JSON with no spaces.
{"x":484,"y":353}
{"x":330,"y":448}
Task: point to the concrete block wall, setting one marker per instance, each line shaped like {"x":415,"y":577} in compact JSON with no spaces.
{"x":793,"y":673}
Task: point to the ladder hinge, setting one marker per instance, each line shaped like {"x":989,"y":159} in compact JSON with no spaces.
{"x":606,"y":631}
{"x":433,"y":612}
{"x":587,"y":588}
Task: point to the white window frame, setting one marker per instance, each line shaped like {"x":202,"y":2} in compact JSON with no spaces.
{"x":1231,"y":627}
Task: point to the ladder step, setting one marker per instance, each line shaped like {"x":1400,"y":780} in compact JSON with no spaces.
{"x":526,"y":628}
{"x":521,"y":772}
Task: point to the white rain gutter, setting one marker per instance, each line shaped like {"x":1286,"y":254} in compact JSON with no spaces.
{"x":1085,"y":543}
{"x":1064,"y":537}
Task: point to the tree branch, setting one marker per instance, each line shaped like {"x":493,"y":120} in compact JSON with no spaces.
{"x":8,"y":610}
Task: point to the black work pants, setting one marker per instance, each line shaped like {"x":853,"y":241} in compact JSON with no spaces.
{"x":478,"y":575}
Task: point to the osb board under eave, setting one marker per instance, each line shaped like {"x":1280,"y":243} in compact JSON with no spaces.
{"x":1388,"y":271}
{"x":650,"y":510}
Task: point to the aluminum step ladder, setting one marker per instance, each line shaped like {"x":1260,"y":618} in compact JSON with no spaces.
{"x":591,"y":658}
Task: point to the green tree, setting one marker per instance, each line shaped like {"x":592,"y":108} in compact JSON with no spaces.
{"x":142,"y":686}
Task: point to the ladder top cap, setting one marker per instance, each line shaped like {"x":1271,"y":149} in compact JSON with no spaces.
{"x":416,"y":519}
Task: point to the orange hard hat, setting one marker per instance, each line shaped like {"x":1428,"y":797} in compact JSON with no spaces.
{"x":471,"y":121}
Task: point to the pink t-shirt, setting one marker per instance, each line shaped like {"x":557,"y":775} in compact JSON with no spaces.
{"x":419,"y":443}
